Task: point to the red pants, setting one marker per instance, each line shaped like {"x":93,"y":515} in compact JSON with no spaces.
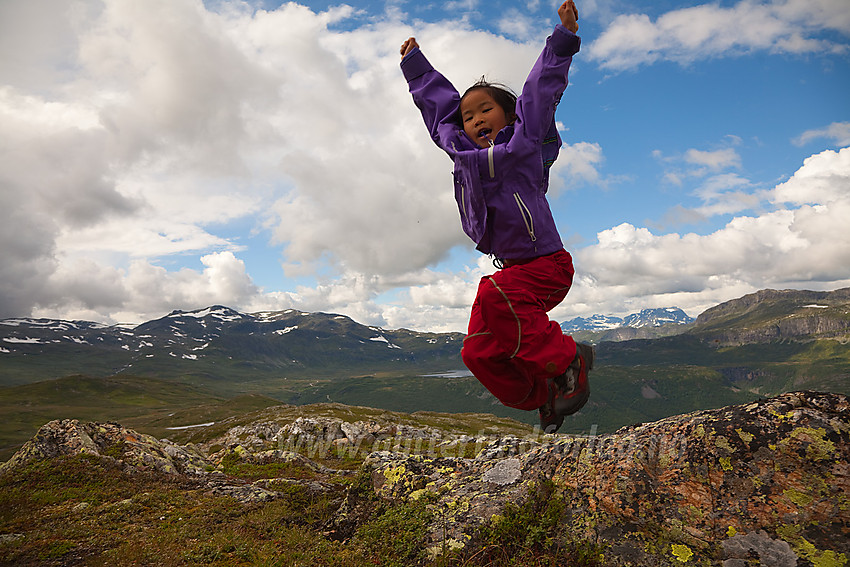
{"x":512,"y":347}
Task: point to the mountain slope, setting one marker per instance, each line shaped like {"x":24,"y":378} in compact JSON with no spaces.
{"x":771,"y":315}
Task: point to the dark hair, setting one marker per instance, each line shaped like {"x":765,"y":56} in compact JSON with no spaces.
{"x":502,"y":94}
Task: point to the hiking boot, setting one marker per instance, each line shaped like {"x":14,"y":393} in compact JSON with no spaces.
{"x":573,"y":389}
{"x":550,"y":420}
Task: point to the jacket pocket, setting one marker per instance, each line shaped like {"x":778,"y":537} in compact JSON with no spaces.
{"x":525,"y":213}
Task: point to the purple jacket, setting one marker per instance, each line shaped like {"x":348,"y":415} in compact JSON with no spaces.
{"x":501,"y":191}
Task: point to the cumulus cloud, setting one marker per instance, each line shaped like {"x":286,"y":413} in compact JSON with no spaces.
{"x":82,"y":288}
{"x":518,"y":24}
{"x":709,"y":30}
{"x":143,"y":129}
{"x":125,"y":141}
{"x":803,"y":240}
{"x":577,"y":164}
{"x":353,"y":201}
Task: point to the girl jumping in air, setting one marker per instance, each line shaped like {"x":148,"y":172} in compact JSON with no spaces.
{"x":502,"y":147}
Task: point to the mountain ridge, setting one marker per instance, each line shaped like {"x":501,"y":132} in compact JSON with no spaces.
{"x":219,"y":340}
{"x":773,"y":315}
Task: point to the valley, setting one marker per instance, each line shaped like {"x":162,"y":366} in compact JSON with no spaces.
{"x":190,"y":368}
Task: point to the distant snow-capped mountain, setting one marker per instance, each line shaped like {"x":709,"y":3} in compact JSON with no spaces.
{"x":592,"y":323}
{"x":646,"y":318}
{"x":657,"y":318}
{"x":205,"y":340}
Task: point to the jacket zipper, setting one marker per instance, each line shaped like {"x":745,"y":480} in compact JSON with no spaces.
{"x":490,"y":159}
{"x":525,"y":213}
{"x":463,"y":198}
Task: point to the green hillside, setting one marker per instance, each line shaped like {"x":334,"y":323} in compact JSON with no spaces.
{"x":129,"y":399}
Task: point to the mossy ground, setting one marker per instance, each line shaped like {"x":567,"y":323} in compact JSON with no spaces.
{"x":534,"y":534}
{"x":86,"y":510}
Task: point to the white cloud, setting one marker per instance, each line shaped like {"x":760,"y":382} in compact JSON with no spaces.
{"x":727,"y":193}
{"x":118,"y":144}
{"x":838,"y":132}
{"x":708,"y":31}
{"x":627,"y":269}
{"x":518,"y":24}
{"x":720,"y":192}
{"x":155,"y":125}
{"x":83,"y":288}
{"x":695,"y":163}
{"x":577,"y":164}
{"x":714,"y":160}
{"x":368,"y":187}
{"x":823,"y":180}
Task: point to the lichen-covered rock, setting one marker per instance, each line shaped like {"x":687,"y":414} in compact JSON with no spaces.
{"x":768,"y":479}
{"x":777,"y":467}
{"x":138,"y":452}
{"x":465,"y":493}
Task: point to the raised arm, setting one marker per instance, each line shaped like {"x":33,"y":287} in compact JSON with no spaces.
{"x":436,"y":98}
{"x":548,"y":77}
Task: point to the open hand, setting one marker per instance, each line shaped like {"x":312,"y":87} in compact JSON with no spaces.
{"x":408,"y":46}
{"x":569,"y":15}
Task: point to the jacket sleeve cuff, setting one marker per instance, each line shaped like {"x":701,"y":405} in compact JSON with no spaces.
{"x":415,"y":64}
{"x":564,"y":42}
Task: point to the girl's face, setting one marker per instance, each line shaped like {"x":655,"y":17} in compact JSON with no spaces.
{"x":482,"y":117}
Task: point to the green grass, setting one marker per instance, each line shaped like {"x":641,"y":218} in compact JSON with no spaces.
{"x":396,"y":532}
{"x":152,"y":404}
{"x":83,"y":509}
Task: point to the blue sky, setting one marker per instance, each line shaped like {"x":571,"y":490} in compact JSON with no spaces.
{"x":175,"y":154}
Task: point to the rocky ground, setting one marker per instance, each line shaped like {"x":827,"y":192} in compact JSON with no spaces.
{"x":765,"y":483}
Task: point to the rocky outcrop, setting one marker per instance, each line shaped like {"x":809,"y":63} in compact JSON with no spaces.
{"x":136,"y":451}
{"x":767,"y":480}
{"x":764,"y":483}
